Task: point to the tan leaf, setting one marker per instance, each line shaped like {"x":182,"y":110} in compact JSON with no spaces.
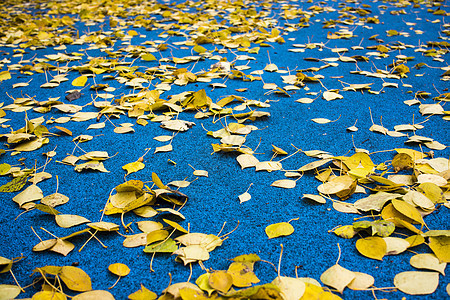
{"x":337,"y":277}
{"x":284,"y":183}
{"x":416,"y":282}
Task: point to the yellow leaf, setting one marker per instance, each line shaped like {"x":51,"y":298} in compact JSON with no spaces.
{"x":346,"y":231}
{"x":244,"y":197}
{"x":148,"y":57}
{"x":14,"y":185}
{"x":402,"y":161}
{"x":62,"y":247}
{"x":158,"y":181}
{"x":5,"y":75}
{"x":441,"y":247}
{"x":313,"y":291}
{"x":188,"y":293}
{"x":279,"y":229}
{"x":119,"y":269}
{"x":278,"y":150}
{"x":49,"y":295}
{"x":143,"y":294}
{"x":412,"y":153}
{"x":156,"y":236}
{"x":67,"y":221}
{"x":408,"y":210}
{"x":321,"y":120}
{"x":203,"y":283}
{"x":343,"y":186}
{"x":65,"y":130}
{"x":175,"y":225}
{"x":199,"y":49}
{"x":242,"y":274}
{"x":220,"y":281}
{"x":75,"y":279}
{"x":372,"y":247}
{"x":104,"y":226}
{"x":328,"y":95}
{"x":165,"y":148}
{"x":80,"y":81}
{"x":133,"y":167}
{"x":415,"y":240}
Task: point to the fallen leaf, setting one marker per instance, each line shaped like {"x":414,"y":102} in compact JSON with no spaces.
{"x":284,"y":183}
{"x":279,"y":229}
{"x":428,"y":261}
{"x":80,"y":81}
{"x":75,"y":279}
{"x":119,"y":269}
{"x":337,"y":277}
{"x":416,"y":282}
{"x":372,"y":247}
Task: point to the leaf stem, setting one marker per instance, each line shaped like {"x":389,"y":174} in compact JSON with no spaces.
{"x":279,"y":260}
{"x":14,"y":277}
{"x":339,"y":256}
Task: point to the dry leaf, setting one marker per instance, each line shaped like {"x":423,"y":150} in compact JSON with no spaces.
{"x":328,"y":95}
{"x":337,"y":277}
{"x":244,"y":197}
{"x":428,"y":261}
{"x":416,"y":282}
{"x":362,"y":281}
{"x":279,"y":229}
{"x":284,"y":183}
{"x":316,"y":198}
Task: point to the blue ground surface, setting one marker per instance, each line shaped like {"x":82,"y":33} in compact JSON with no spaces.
{"x":213,"y":200}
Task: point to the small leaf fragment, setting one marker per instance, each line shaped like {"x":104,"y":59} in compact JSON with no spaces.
{"x":244,"y":197}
